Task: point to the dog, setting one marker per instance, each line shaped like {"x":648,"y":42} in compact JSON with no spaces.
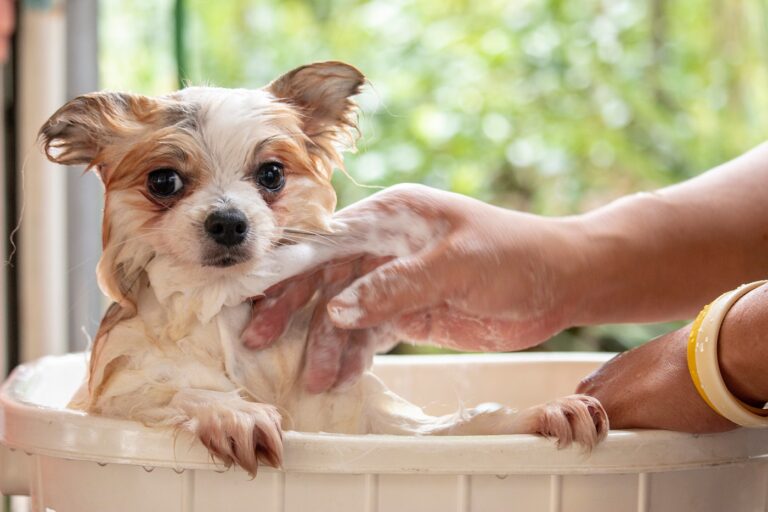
{"x":203,"y":187}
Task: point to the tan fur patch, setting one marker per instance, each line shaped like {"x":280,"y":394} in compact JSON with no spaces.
{"x":123,"y":137}
{"x":322,"y":93}
{"x":308,"y":198}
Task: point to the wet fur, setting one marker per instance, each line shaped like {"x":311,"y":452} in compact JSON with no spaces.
{"x":168,"y":351}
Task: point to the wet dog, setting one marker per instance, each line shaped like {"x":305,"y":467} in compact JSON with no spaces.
{"x":203,"y":187}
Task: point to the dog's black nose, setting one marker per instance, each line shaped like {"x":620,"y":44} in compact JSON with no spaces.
{"x":227,"y":227}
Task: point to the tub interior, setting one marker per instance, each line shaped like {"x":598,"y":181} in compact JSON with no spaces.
{"x":33,"y":419}
{"x":439,"y":383}
{"x":442,"y":383}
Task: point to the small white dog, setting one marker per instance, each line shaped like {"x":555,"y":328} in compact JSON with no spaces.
{"x":203,"y":186}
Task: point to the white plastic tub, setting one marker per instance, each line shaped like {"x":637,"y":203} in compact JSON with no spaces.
{"x":69,"y":462}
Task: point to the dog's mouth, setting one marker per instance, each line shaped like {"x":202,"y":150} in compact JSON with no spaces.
{"x":227,"y":258}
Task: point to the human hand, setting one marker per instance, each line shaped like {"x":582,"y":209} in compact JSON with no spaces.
{"x":488,"y":279}
{"x":650,"y":387}
{"x":335,"y":356}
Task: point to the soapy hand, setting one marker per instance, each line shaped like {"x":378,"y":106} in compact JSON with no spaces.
{"x":334,"y":356}
{"x":482,"y":279}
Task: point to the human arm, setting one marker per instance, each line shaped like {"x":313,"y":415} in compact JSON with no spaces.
{"x":650,"y":386}
{"x":506,"y":280}
{"x":454,"y":291}
{"x":659,"y":256}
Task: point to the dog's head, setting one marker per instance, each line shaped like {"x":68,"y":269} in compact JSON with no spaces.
{"x":210,"y":178}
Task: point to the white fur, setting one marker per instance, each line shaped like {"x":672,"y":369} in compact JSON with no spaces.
{"x":179,"y":361}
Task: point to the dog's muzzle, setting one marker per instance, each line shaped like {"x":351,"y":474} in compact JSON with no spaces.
{"x":227,"y":227}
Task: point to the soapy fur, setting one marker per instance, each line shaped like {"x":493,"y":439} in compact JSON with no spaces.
{"x":168,"y":353}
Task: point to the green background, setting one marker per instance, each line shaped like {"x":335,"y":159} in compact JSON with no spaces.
{"x":549,"y":106}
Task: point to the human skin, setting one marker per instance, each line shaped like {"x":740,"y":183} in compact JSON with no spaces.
{"x":506,"y":280}
{"x":454,"y":294}
{"x":650,"y":387}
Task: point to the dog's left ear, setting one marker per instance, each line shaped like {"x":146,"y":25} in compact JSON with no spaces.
{"x":322,"y":92}
{"x":79,"y":131}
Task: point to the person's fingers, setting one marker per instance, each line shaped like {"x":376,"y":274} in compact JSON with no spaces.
{"x":272,"y":292}
{"x":358,"y":356}
{"x":393,"y":201}
{"x":271,"y":315}
{"x":416,"y":326}
{"x":355,"y":359}
{"x":402,"y":285}
{"x":325,"y":347}
{"x":449,"y":328}
{"x":404,"y":217}
{"x":337,"y":274}
{"x":369,"y":263}
{"x":384,"y":337}
{"x":327,"y":343}
{"x":438,"y":326}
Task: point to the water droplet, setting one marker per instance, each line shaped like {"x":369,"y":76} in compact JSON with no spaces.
{"x":148,"y":469}
{"x":501,"y":477}
{"x":102,"y":464}
{"x":178,"y":471}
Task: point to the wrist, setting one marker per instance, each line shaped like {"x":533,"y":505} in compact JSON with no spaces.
{"x":571,"y":255}
{"x":742,"y":350}
{"x":594,"y":262}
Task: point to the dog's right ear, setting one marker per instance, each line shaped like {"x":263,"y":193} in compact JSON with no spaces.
{"x":79,"y":131}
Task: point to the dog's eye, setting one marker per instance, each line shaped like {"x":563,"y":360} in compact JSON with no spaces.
{"x":164,"y":183}
{"x":270,"y":176}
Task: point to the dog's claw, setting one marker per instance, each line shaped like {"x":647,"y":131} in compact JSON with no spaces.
{"x":246,"y":435}
{"x":576,"y":418}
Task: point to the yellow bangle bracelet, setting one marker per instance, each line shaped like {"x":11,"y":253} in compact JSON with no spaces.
{"x":704,"y":366}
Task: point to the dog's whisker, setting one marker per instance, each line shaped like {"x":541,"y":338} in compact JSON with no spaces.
{"x":186,"y":252}
{"x":323,"y":235}
{"x":309,"y":236}
{"x":298,"y":240}
{"x":118,"y":245}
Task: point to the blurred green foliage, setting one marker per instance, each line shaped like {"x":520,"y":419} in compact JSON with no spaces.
{"x":550,"y":106}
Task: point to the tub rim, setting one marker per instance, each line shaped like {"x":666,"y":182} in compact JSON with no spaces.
{"x":51,"y":432}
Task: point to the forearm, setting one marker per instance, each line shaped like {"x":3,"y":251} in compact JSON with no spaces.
{"x":650,"y":386}
{"x":659,"y":256}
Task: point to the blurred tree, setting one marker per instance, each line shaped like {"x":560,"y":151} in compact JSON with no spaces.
{"x":551,"y":106}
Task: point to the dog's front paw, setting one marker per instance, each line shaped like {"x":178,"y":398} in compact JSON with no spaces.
{"x":575,"y":418}
{"x":235,"y":431}
{"x":244,"y":436}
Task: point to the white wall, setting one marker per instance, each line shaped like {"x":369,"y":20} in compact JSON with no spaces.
{"x":42,"y":247}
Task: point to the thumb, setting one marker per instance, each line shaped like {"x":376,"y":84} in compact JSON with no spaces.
{"x":402,"y":285}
